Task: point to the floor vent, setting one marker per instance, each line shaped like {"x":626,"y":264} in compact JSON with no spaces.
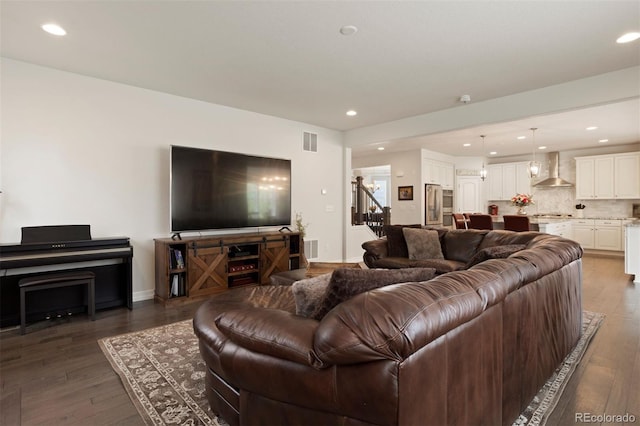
{"x":310,"y":142}
{"x":311,"y":249}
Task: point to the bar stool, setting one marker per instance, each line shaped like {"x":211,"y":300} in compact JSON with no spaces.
{"x":480,"y":221}
{"x":518,"y":223}
{"x":42,"y":282}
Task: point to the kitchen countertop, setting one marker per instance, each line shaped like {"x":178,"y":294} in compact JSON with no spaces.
{"x":553,"y":218}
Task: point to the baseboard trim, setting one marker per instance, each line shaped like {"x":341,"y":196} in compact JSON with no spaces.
{"x":139,"y":296}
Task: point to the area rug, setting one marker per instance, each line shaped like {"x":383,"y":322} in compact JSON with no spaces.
{"x":163,"y":373}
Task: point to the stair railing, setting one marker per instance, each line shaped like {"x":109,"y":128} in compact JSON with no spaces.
{"x":366,"y":209}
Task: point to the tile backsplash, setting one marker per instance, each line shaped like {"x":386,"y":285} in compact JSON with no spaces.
{"x":563,"y":201}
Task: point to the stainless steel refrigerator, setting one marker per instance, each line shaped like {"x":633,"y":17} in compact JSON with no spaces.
{"x":433,"y":204}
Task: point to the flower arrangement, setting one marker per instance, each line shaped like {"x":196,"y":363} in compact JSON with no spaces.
{"x":522,"y":200}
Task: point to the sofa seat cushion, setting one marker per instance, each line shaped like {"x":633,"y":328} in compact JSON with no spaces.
{"x":346,"y":283}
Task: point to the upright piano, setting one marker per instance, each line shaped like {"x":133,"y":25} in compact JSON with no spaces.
{"x":45,"y":249}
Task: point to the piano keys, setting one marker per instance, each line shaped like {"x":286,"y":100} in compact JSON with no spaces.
{"x":68,"y":247}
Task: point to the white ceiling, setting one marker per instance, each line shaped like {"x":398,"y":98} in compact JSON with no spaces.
{"x":288,"y":58}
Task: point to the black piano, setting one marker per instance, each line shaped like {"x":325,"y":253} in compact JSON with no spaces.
{"x":45,"y":249}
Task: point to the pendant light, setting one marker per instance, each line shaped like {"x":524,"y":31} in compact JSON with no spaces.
{"x":534,"y":166}
{"x":483,"y":171}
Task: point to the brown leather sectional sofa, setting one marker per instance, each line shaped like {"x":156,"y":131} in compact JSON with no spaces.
{"x":469,"y":347}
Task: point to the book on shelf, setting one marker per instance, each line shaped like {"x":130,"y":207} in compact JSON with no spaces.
{"x":178,"y":287}
{"x":175,"y":286}
{"x":177,"y":259}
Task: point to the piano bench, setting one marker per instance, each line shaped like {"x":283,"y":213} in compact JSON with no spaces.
{"x":46,"y":281}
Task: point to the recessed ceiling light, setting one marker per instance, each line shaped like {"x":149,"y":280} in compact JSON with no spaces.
{"x":521,"y":137}
{"x":493,"y":153}
{"x":348,"y":30}
{"x":603,"y":140}
{"x":352,"y":113}
{"x":466,"y":144}
{"x":542,"y":147}
{"x":54,"y":29}
{"x":628,"y":37}
{"x":591,"y":127}
{"x":381,"y":148}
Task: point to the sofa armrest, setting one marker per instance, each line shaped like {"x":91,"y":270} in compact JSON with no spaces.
{"x":374,"y":250}
{"x":271,"y":332}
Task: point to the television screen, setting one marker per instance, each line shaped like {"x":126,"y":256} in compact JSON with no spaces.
{"x":216,"y":190}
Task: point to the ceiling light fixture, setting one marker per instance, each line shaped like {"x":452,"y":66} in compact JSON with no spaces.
{"x":628,"y":37}
{"x":521,"y":137}
{"x":483,"y":171}
{"x":542,"y":147}
{"x":534,"y":166}
{"x":352,"y":113}
{"x":466,"y":144}
{"x":591,"y":128}
{"x":54,"y":29}
{"x":381,"y":148}
{"x":493,"y":152}
{"x":603,"y":141}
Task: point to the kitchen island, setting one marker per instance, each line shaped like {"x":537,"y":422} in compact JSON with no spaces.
{"x":632,"y":250}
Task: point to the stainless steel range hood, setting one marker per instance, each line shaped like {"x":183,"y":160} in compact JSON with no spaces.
{"x":554,"y":179}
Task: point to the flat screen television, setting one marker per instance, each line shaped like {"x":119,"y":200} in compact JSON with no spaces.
{"x":221,"y":190}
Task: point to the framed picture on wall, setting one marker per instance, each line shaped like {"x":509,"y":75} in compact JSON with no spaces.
{"x":405,"y":192}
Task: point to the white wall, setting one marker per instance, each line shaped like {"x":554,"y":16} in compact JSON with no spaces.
{"x":406,"y":170}
{"x":79,"y":150}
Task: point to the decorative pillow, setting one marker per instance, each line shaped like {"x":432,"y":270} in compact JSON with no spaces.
{"x":309,"y":292}
{"x":495,"y":252}
{"x":348,"y":282}
{"x":422,"y":244}
{"x":397,"y":246}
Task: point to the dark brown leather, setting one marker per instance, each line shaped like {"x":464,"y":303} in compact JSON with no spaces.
{"x":467,"y":347}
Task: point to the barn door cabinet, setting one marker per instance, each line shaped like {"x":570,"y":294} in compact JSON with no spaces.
{"x":201,"y":266}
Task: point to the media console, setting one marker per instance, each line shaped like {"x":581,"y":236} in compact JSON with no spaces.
{"x":200,"y":266}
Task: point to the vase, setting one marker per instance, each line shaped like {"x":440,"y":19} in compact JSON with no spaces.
{"x":522,"y":210}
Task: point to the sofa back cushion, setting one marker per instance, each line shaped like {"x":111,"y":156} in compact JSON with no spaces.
{"x":462,"y":244}
{"x":422,"y":244}
{"x":397,"y":245}
{"x":348,"y":282}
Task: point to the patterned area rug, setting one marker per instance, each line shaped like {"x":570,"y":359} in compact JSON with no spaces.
{"x":163,"y":373}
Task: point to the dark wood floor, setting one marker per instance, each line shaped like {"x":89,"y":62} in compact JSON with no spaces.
{"x":59,"y":376}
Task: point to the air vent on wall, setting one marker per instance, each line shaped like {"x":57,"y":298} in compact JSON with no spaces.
{"x":311,"y":249}
{"x":310,"y":142}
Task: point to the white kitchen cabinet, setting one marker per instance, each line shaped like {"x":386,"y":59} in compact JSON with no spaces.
{"x":608,"y":176}
{"x":523,"y":180}
{"x":506,"y":180}
{"x":468,"y":195}
{"x":563,"y":229}
{"x":608,"y":235}
{"x":599,"y":234}
{"x":439,"y":173}
{"x":627,"y":176}
{"x":583,"y":233}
